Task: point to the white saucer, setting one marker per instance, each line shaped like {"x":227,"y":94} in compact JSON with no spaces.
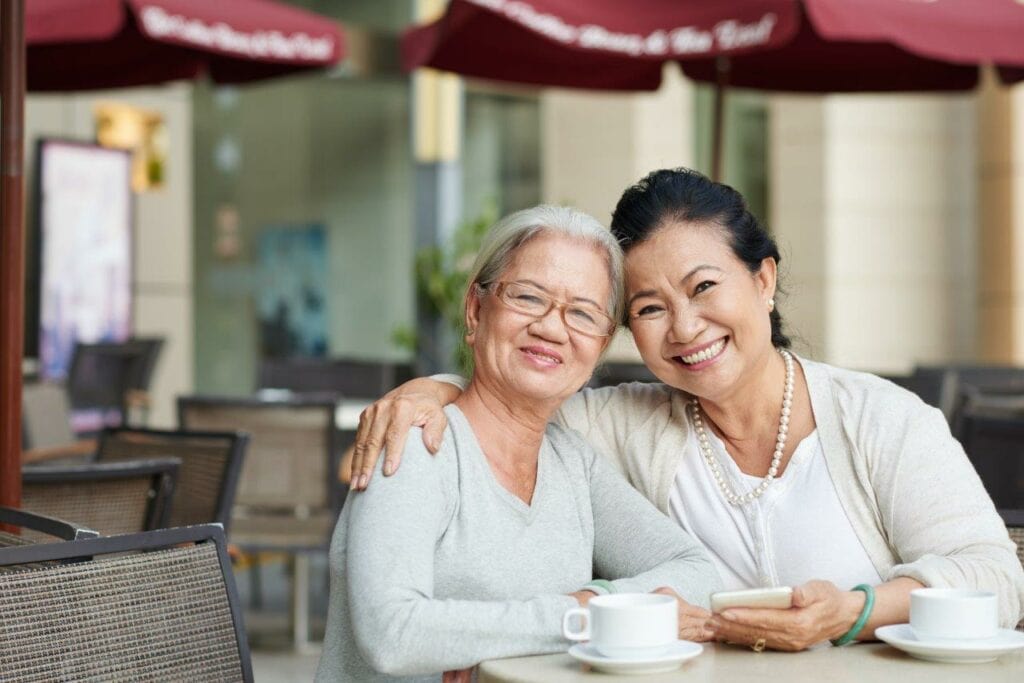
{"x":676,"y":654}
{"x":957,"y":652}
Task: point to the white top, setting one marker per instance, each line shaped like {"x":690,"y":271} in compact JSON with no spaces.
{"x":795,"y":532}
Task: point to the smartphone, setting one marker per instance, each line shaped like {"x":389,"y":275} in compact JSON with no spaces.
{"x":780,"y":597}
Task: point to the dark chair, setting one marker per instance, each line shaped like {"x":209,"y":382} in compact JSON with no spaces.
{"x":109,"y":378}
{"x":210,"y":466}
{"x":155,"y":606}
{"x":611,"y":374}
{"x":288,"y":498}
{"x":338,"y":376}
{"x":112,"y":498}
{"x":936,"y":386}
{"x":1005,"y":399}
{"x":995,"y":446}
{"x":40,"y":524}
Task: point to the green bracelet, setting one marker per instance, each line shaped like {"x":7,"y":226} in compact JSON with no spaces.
{"x":869,"y":604}
{"x":600,"y":586}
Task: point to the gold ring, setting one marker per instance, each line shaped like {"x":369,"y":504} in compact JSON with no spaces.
{"x":759,"y":645}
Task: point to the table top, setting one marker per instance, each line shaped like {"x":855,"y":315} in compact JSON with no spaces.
{"x":876,"y":662}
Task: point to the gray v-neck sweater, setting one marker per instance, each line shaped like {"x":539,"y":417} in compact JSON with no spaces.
{"x":439,"y":567}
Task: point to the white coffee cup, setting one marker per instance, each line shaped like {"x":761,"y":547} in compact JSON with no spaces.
{"x":953,"y":614}
{"x":626,"y":625}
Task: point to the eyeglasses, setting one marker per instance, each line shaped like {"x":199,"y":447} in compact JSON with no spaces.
{"x":528,"y":300}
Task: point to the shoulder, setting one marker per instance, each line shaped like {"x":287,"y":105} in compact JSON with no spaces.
{"x":629,"y":402}
{"x":872,"y":409}
{"x":862,"y":391}
{"x":646,"y":394}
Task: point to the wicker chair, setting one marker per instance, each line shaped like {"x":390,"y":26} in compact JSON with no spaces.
{"x":102,"y":610}
{"x":40,"y":524}
{"x":112,"y":498}
{"x":210,"y":466}
{"x":287,"y":498}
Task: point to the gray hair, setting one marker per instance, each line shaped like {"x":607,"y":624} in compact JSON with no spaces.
{"x":504,"y":238}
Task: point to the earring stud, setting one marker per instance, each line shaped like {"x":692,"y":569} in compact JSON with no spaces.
{"x":771,"y":304}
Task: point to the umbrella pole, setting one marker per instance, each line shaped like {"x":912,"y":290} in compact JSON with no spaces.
{"x":721,"y":85}
{"x":12,"y":257}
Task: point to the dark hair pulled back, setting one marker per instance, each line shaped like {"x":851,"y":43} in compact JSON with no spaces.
{"x":682,"y":195}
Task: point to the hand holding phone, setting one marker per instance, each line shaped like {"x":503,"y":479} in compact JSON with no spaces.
{"x":780,"y":597}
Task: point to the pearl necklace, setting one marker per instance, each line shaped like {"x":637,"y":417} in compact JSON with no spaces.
{"x":780,"y":443}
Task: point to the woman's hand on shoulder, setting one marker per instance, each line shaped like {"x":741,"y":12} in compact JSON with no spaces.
{"x":693,"y":620}
{"x":385,"y":425}
{"x":820,"y":612}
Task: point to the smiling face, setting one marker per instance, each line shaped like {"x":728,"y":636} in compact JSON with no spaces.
{"x":698,"y":315}
{"x":540,"y":359}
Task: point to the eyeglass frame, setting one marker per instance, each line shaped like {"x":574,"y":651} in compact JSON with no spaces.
{"x":498,"y":287}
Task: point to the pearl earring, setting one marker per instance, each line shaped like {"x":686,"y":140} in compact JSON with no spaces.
{"x":771,"y":304}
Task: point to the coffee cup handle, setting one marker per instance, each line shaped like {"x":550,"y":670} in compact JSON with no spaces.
{"x":584,"y":614}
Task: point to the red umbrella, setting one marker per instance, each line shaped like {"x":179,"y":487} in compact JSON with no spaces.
{"x":800,"y":45}
{"x":600,"y":44}
{"x":883,"y":45}
{"x":88,"y":44}
{"x":813,"y":45}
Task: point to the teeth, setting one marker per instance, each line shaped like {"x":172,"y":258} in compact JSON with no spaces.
{"x":544,"y":355}
{"x":707,"y":353}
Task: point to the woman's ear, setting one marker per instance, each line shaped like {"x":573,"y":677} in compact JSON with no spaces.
{"x":766,"y":280}
{"x":471,"y":312}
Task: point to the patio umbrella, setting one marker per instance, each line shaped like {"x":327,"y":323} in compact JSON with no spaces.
{"x":798,"y":45}
{"x":89,"y":44}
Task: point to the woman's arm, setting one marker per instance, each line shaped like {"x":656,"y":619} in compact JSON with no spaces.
{"x":940,"y":519}
{"x":399,"y":626}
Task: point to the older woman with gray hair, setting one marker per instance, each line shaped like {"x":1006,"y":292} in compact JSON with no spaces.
{"x":478,"y":552}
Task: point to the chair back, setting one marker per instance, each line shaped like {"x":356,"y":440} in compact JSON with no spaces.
{"x":40,"y":524}
{"x":155,"y":606}
{"x":611,"y":374}
{"x":207,"y":479}
{"x":101,"y":375}
{"x":111,"y":498}
{"x":338,"y":376}
{"x":291,"y":459}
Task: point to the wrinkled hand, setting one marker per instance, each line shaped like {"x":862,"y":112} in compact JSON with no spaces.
{"x":820,"y":612}
{"x":460,"y":676}
{"x":693,"y":620}
{"x":385,"y":425}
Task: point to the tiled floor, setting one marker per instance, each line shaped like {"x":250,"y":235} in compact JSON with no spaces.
{"x":273,"y":659}
{"x":282,"y":666}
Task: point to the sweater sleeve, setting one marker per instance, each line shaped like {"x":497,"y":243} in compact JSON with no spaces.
{"x":941,"y":521}
{"x":399,"y":626}
{"x":641,"y":549}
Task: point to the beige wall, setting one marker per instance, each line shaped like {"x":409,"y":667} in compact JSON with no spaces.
{"x":1001,"y":222}
{"x":163,"y":226}
{"x":873,"y":200}
{"x":594,"y":145}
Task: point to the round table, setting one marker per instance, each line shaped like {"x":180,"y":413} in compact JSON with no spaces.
{"x":875,"y":662}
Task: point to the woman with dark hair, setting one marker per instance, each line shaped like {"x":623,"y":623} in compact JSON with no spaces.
{"x":788,"y":471}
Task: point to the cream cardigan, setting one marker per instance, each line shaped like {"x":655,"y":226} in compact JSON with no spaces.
{"x":913,"y":498}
